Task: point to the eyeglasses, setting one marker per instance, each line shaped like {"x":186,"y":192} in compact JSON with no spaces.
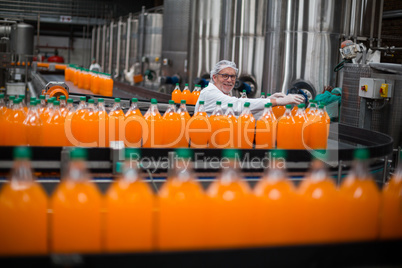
{"x":226,"y":76}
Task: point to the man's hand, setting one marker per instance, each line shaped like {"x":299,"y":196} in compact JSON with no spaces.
{"x":278,"y":95}
{"x":289,"y":99}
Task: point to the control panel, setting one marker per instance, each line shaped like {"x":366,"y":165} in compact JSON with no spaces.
{"x":374,"y":88}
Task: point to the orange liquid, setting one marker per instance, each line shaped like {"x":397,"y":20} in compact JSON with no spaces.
{"x":134,"y":124}
{"x":319,"y":209}
{"x":81,"y":79}
{"x":33,"y":130}
{"x":361,"y":199}
{"x":171,"y":124}
{"x":391,"y":220}
{"x":221,"y":135}
{"x":182,"y":214}
{"x":14,"y":123}
{"x":108,"y":87}
{"x":246,"y":125}
{"x":67,"y":74}
{"x":76,"y":124}
{"x":278,"y":111}
{"x":3,"y":123}
{"x":155,"y":131}
{"x":116,"y":121}
{"x":317,"y":133}
{"x":186,"y":95}
{"x":176,"y":96}
{"x":53,"y":131}
{"x":24,"y":220}
{"x":277,"y":222}
{"x":265,"y":136}
{"x":230,"y":214}
{"x":285,"y":136}
{"x":297,"y":132}
{"x":129,"y":217}
{"x":294,"y":110}
{"x":95,"y":84}
{"x":90,"y":126}
{"x":199,"y":130}
{"x":184,"y":118}
{"x":103,"y":128}
{"x":76,"y":77}
{"x":71,"y":140}
{"x":87,"y":81}
{"x":76,"y":219}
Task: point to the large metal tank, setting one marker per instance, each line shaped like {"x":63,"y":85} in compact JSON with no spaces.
{"x":113,"y":48}
{"x":132,"y":42}
{"x":22,"y":41}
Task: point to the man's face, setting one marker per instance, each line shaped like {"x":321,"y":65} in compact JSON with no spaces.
{"x":225,"y":85}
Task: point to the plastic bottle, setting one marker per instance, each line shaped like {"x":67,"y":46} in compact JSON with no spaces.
{"x":327,"y":118}
{"x":108,"y":86}
{"x":77,"y":120}
{"x":63,"y":103}
{"x":199,"y":128}
{"x":265,"y":136}
{"x":184,"y":118}
{"x":14,"y":124}
{"x":186,"y":94}
{"x":23,"y":103}
{"x":318,"y":131}
{"x":182,"y":208}
{"x":33,"y":126}
{"x":279,"y":111}
{"x":194,"y":96}
{"x":103,"y":124}
{"x":277,"y":202}
{"x":76,"y":204}
{"x":3,"y":115}
{"x":87,"y":79}
{"x":244,"y":94}
{"x":129,"y":203}
{"x":262,"y":95}
{"x":176,"y":94}
{"x":246,"y":125}
{"x":45,"y":114}
{"x":285,"y":135}
{"x":230,"y":213}
{"x":220,"y":125}
{"x":53,"y":129}
{"x":171,"y":124}
{"x":154,"y":124}
{"x":319,"y":206}
{"x":116,"y":122}
{"x":42,"y":106}
{"x":391,"y":210}
{"x":308,"y":126}
{"x":23,"y":206}
{"x":361,"y":199}
{"x":300,"y":119}
{"x":67,"y":75}
{"x":95,"y":82}
{"x":233,"y":126}
{"x":134,"y":124}
{"x":90,"y":126}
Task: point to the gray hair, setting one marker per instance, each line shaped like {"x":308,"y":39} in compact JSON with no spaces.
{"x":220,"y":66}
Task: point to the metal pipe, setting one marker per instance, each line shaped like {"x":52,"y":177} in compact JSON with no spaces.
{"x":372,"y":23}
{"x":392,"y":14}
{"x":110,"y":48}
{"x":380,"y":23}
{"x":141,"y":39}
{"x":103,"y":47}
{"x":5,"y":30}
{"x":93,"y":45}
{"x":32,"y":90}
{"x":83,"y":35}
{"x":192,"y":41}
{"x":119,"y":25}
{"x":37,"y":36}
{"x":357,"y":17}
{"x":384,"y":175}
{"x":128,"y":41}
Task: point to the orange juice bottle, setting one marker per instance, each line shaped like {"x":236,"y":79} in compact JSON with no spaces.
{"x":176,"y":94}
{"x":92,"y":83}
{"x":171,"y":124}
{"x":193,"y":99}
{"x":134,"y":124}
{"x":318,"y":205}
{"x":23,"y":206}
{"x":10,"y":101}
{"x":182,"y":208}
{"x":76,"y":204}
{"x":68,"y":114}
{"x":309,"y":105}
{"x":53,"y":132}
{"x":108,"y":85}
{"x":391,"y":209}
{"x":103,"y":124}
{"x":155,"y":126}
{"x":63,"y":103}
{"x":233,"y":126}
{"x":277,"y":199}
{"x":285,"y":136}
{"x":14,"y":123}
{"x":246,"y":125}
{"x":318,"y":137}
{"x":361,"y":199}
{"x":231,"y":211}
{"x":67,"y":73}
{"x":327,"y":118}
{"x":129,"y":204}
{"x":300,"y":119}
{"x":90,"y":126}
{"x":23,"y":103}
{"x":265,"y":136}
{"x":87,"y":79}
{"x":81,"y":78}
{"x":184,"y":118}
{"x":45,"y":113}
{"x":311,"y":119}
{"x":77,"y":121}
{"x":33,"y":126}
{"x":116,"y":122}
{"x":199,"y":128}
{"x":220,"y":124}
{"x":42,"y":105}
{"x":186,"y":94}
{"x":262,"y":95}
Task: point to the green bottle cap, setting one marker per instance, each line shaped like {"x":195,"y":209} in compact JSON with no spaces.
{"x":37,"y":102}
{"x":183,"y":101}
{"x":2,"y":96}
{"x":171,"y":101}
{"x":321,"y":106}
{"x":83,"y":98}
{"x":267,"y":105}
{"x":177,"y":84}
{"x":361,"y":154}
{"x":70,"y":101}
{"x":246,"y":104}
{"x":230,"y":153}
{"x":11,"y":97}
{"x":132,"y":154}
{"x":230,"y":104}
{"x":32,"y":99}
{"x":262,"y":93}
{"x":154,"y":101}
{"x":50,"y":100}
{"x":117,"y":100}
{"x":278,"y":153}
{"x":56,"y":103}
{"x":53,"y":98}
{"x":78,"y":153}
{"x":91,"y":101}
{"x":22,"y":96}
{"x":186,"y":85}
{"x":185,"y":153}
{"x":301,"y":105}
{"x":201,"y":102}
{"x":218,"y":103}
{"x":134,"y":100}
{"x":22,"y":152}
{"x":42,"y":97}
{"x":62,"y":97}
{"x":101,"y":100}
{"x":32,"y":103}
{"x":288,"y":106}
{"x":312,"y":105}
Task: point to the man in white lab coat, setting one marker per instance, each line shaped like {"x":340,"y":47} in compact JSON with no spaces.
{"x":223,"y":78}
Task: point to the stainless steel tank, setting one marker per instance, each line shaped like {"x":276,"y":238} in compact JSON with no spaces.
{"x":113,"y":48}
{"x":132,"y":42}
{"x":22,"y":41}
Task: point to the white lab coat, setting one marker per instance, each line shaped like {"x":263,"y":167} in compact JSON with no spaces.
{"x":95,"y":67}
{"x":211,"y":94}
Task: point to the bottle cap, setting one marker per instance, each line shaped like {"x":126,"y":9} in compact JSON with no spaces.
{"x":301,"y":105}
{"x":56,"y":103}
{"x":117,"y":100}
{"x":22,"y":96}
{"x":62,"y":97}
{"x":119,"y":167}
{"x":361,"y":154}
{"x":278,"y":153}
{"x":218,"y":103}
{"x":177,"y":84}
{"x":244,"y":91}
{"x":230,"y":104}
{"x":288,"y":106}
{"x":32,"y":99}
{"x":78,"y":153}
{"x":42,"y":97}
{"x":32,"y":102}
{"x":183,"y":101}
{"x":37,"y":102}
{"x":70,"y":100}
{"x":22,"y":152}
{"x":321,"y":106}
{"x":201,"y":102}
{"x":101,"y":100}
{"x":134,"y":100}
{"x":185,"y":153}
{"x":132,"y":154}
{"x":53,"y":98}
{"x":246,"y":104}
{"x":312,"y":105}
{"x":50,"y":100}
{"x":171,"y":101}
{"x":11,"y":97}
{"x":267,"y":105}
{"x":154,"y":101}
{"x":91,"y":101}
{"x":186,"y":85}
{"x":262,"y":93}
{"x":230,"y":153}
{"x":2,"y":96}
{"x":83,"y":98}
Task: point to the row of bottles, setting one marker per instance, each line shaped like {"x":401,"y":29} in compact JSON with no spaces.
{"x":182,"y":216}
{"x":99,"y":83}
{"x":190,"y":97}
